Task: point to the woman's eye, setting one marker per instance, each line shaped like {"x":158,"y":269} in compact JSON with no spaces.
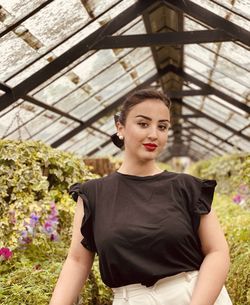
{"x":142,"y":124}
{"x":163,"y":127}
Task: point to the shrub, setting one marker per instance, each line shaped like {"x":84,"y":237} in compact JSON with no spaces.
{"x":236,"y":224}
{"x":230,"y":171}
{"x":34,"y":180}
{"x":32,"y":175}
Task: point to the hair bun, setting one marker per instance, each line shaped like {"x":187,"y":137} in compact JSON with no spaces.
{"x":118,"y":142}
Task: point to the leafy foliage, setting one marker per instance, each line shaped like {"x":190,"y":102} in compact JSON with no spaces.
{"x":33,"y":176}
{"x":232,"y":173}
{"x":236,"y":224}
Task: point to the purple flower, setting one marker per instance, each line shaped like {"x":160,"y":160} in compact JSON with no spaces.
{"x":51,"y":223}
{"x":34,"y":219}
{"x":237,"y":199}
{"x":25,"y":238}
{"x":5,"y":253}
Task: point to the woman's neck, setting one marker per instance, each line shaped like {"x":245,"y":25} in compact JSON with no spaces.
{"x":139,"y":168}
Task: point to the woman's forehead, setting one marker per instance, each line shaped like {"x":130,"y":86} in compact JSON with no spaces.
{"x":150,"y":108}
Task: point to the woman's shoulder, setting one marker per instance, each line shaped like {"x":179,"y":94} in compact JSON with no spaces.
{"x":90,"y":183}
{"x":183,"y":177}
{"x":90,"y":186}
{"x":189,"y":182}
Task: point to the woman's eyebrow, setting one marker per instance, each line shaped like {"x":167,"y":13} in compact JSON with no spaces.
{"x":148,"y":118}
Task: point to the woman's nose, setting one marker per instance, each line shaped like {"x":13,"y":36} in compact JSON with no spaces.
{"x":153,"y":135}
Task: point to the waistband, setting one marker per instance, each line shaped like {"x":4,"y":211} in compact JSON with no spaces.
{"x":124,"y":292}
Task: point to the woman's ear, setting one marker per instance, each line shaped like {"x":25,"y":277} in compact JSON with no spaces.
{"x":119,"y":128}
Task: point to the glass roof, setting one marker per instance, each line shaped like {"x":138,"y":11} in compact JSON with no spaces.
{"x":85,"y":92}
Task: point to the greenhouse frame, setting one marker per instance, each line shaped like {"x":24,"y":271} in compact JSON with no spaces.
{"x":67,"y":66}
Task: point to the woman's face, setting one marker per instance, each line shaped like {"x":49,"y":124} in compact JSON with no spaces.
{"x":146,"y":129}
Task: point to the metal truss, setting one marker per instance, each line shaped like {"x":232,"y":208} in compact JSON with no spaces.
{"x":56,"y":110}
{"x":102,"y":35}
{"x":212,"y":119}
{"x":102,"y":113}
{"x":213,"y":91}
{"x":74,"y":53}
{"x":210,"y":19}
{"x":159,"y":39}
{"x":20,"y":21}
{"x":212,"y":134}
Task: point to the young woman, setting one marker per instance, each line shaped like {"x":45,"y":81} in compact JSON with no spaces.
{"x":157,"y":239}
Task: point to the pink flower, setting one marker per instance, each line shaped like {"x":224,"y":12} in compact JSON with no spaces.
{"x":5,"y":253}
{"x":237,"y":198}
{"x":51,"y":223}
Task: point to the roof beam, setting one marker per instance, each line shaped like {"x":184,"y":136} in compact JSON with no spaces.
{"x":93,"y":151}
{"x":4,"y":87}
{"x":166,"y":157}
{"x":190,"y":116}
{"x":162,"y":39}
{"x":205,"y":149}
{"x":74,"y":53}
{"x":206,"y":140}
{"x":196,"y":155}
{"x":182,"y":93}
{"x":102,"y":113}
{"x":20,"y":21}
{"x":236,"y":132}
{"x":119,"y":101}
{"x":214,"y":91}
{"x":212,"y":134}
{"x":79,"y":85}
{"x":190,"y":138}
{"x":35,"y":101}
{"x":211,"y":19}
{"x":43,"y":53}
{"x":210,"y":89}
{"x":228,"y":138}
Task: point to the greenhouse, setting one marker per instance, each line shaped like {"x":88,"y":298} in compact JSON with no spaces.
{"x":66,"y":68}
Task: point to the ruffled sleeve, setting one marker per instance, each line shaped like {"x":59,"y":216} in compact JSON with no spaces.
{"x":76,"y":190}
{"x":204,"y":201}
{"x":199,"y":194}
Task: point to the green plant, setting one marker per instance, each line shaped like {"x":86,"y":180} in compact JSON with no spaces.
{"x":33,"y":174}
{"x":30,"y":276}
{"x":232,"y":173}
{"x":228,"y":168}
{"x":236,"y":225}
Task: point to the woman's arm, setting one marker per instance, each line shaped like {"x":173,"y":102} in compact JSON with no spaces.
{"x":215,"y":266}
{"x":77,"y":266}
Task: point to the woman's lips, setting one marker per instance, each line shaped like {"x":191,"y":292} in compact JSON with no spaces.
{"x":150,"y":147}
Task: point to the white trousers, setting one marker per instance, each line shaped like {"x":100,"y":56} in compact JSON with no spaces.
{"x":172,"y":290}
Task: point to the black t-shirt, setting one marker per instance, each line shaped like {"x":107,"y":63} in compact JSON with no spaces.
{"x":144,"y":228}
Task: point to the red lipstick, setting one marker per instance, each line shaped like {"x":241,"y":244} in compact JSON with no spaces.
{"x":150,"y":146}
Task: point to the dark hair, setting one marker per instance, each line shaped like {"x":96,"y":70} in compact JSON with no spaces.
{"x":133,"y":99}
